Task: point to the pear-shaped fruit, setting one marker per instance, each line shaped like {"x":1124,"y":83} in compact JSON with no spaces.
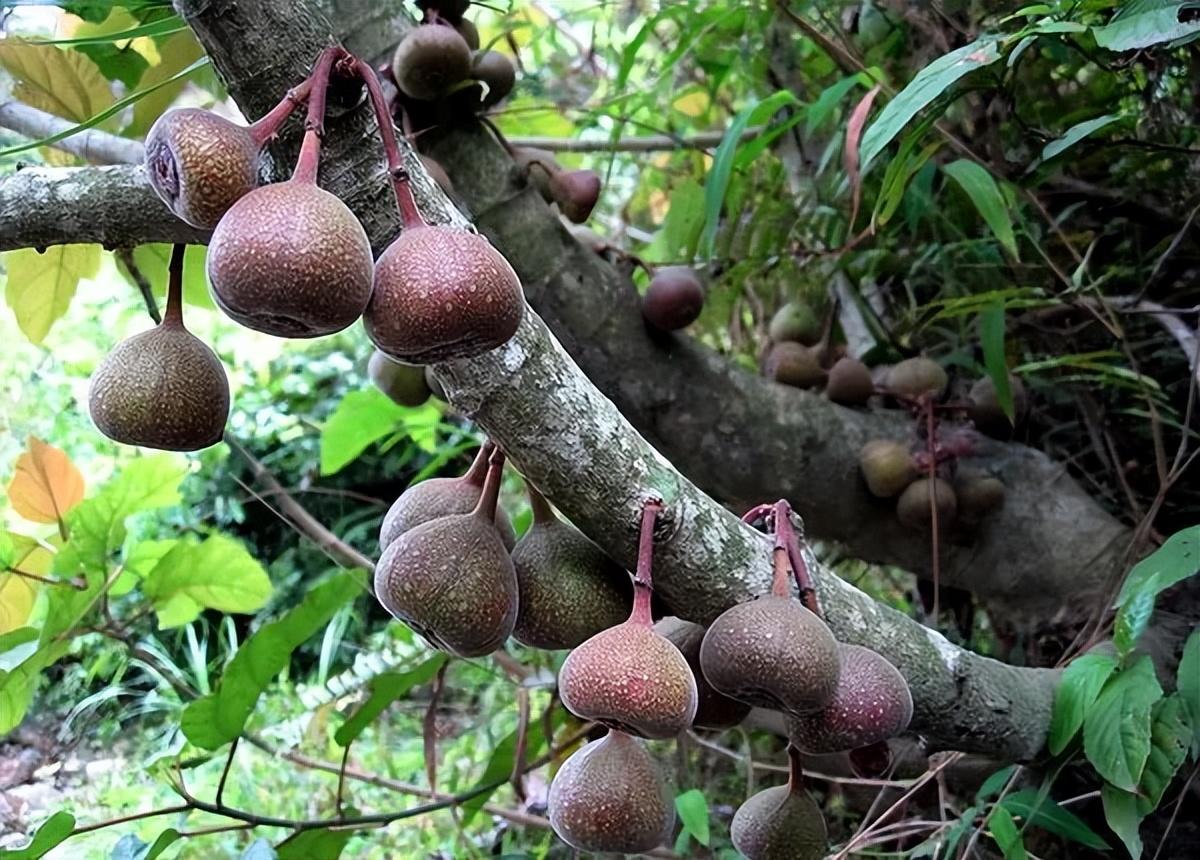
{"x":441,"y":497}
{"x":609,"y":797}
{"x":849,"y":382}
{"x":674,"y":299}
{"x":781,"y":823}
{"x":713,"y":710}
{"x":794,"y":364}
{"x":986,"y":412}
{"x":451,"y":579}
{"x":576,"y":192}
{"x":429,"y":60}
{"x":872,"y":703}
{"x":495,"y":70}
{"x":570,"y":590}
{"x":795,"y":321}
{"x":887,"y":466}
{"x":913,"y":509}
{"x":977,"y":495}
{"x":916,"y":376}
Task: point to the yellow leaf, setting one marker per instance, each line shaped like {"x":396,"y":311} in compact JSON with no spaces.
{"x":693,"y":103}
{"x":46,"y":485}
{"x":178,"y":52}
{"x":62,"y":82}
{"x":40,"y":285}
{"x":17,"y":595}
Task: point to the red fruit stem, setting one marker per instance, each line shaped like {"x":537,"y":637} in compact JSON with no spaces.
{"x":795,"y":781}
{"x":490,"y":496}
{"x":174,"y":313}
{"x":268,"y":125}
{"x":409,"y":213}
{"x":780,"y":586}
{"x":314,"y":122}
{"x":756,"y":513}
{"x":542,"y":512}
{"x":930,"y":447}
{"x":478,"y":471}
{"x":786,"y":535}
{"x":643,"y":581}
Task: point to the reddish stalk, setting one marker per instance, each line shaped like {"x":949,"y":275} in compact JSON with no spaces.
{"x":490,"y":496}
{"x":174,"y":312}
{"x":409,"y":213}
{"x":478,"y":470}
{"x":795,"y":781}
{"x":643,"y":581}
{"x":756,"y":513}
{"x":931,"y":447}
{"x":542,"y":512}
{"x":314,"y":122}
{"x":267,"y":126}
{"x":792,"y":542}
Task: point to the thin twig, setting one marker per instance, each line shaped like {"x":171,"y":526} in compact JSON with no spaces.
{"x":225,"y":771}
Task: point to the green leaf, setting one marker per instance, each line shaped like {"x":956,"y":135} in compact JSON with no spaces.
{"x":693,"y":814}
{"x":363,"y":417}
{"x":717,"y":183}
{"x":177,"y":53}
{"x":1116,"y":730}
{"x":992,"y":785}
{"x":1081,"y":683}
{"x":928,"y":84}
{"x":219,"y":717}
{"x":1170,"y":737}
{"x":1188,"y":681}
{"x":1132,"y":619}
{"x":1142,"y":23}
{"x":1004,"y":831}
{"x":8,"y":552}
{"x":1077,"y":133}
{"x":40,"y":285}
{"x":217,"y":573}
{"x":314,"y":845}
{"x":1120,"y":811}
{"x":160,"y":27}
{"x":679,"y":234}
{"x":130,"y":847}
{"x":53,"y":832}
{"x":981,"y":187}
{"x":1044,"y":812}
{"x":822,"y":109}
{"x":1173,"y":562}
{"x":385,"y":689}
{"x":991,"y":338}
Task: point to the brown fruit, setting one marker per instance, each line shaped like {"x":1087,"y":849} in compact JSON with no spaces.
{"x":441,"y":497}
{"x":609,"y":797}
{"x":916,"y":376}
{"x":674,"y":299}
{"x":163,"y":388}
{"x":442,"y":293}
{"x":451,"y":579}
{"x":781,"y":823}
{"x":912,"y":508}
{"x":290,"y":259}
{"x":791,"y":363}
{"x":771,"y":652}
{"x":570,"y":590}
{"x":403,"y":383}
{"x":495,"y":70}
{"x":985,"y":409}
{"x":713,"y":711}
{"x":872,"y":703}
{"x":977,"y":495}
{"x":576,"y":193}
{"x":795,"y":321}
{"x":449,"y":10}
{"x":438,"y":174}
{"x":200,"y":164}
{"x":469,"y":32}
{"x":429,"y":60}
{"x":887,"y":466}
{"x":849,"y":382}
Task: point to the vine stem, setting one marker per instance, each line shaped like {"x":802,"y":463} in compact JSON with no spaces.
{"x":409,"y":213}
{"x":643,"y":580}
{"x":267,"y":126}
{"x":314,"y":122}
{"x":931,"y":447}
{"x":174,"y":314}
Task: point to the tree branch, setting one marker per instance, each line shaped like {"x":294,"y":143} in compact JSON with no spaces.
{"x":648,"y":143}
{"x":92,"y":145}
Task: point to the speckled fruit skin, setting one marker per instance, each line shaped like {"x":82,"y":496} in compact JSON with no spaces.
{"x":912,"y":508}
{"x":402,"y":383}
{"x":887,"y":467}
{"x":795,"y":321}
{"x":429,"y":60}
{"x":609,"y":797}
{"x":452,"y":581}
{"x":163,"y":388}
{"x":200,"y":164}
{"x":792,"y":363}
{"x":434,"y":498}
{"x":771,"y":652}
{"x":290,"y":259}
{"x":916,"y":376}
{"x":779,"y":824}
{"x":713,"y":710}
{"x":570,"y":590}
{"x":441,"y":294}
{"x":631,"y":679}
{"x":872,"y":703}
{"x":576,"y":193}
{"x":849,"y":382}
{"x":674,"y":299}
{"x":497,"y":71}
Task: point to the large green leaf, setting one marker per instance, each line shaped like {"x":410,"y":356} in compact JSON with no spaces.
{"x":361,"y":418}
{"x":314,"y":845}
{"x":385,"y":689}
{"x":1004,"y":831}
{"x":981,"y":187}
{"x":1142,"y":23}
{"x":1170,"y":737}
{"x":41,"y":284}
{"x":1116,"y":730}
{"x":1120,"y":811}
{"x":53,"y":832}
{"x":1081,"y":683}
{"x":1188,"y":681}
{"x":693,"y":814}
{"x":1174,"y":561}
{"x":1044,"y":812}
{"x":217,"y":573}
{"x":927,"y":85}
{"x":220,"y":716}
{"x":1077,"y":133}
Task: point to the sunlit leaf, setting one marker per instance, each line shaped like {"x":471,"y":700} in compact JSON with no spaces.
{"x":1174,"y":561}
{"x":693,"y":814}
{"x":385,"y":689}
{"x":1077,"y":133}
{"x":52,"y":833}
{"x":177,"y":52}
{"x":991,"y":339}
{"x":46,"y":485}
{"x":40,"y":285}
{"x":217,"y":573}
{"x":62,"y":82}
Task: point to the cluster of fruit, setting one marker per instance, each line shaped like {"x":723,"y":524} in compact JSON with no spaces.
{"x":451,"y":571}
{"x":802,"y":356}
{"x":290,"y":259}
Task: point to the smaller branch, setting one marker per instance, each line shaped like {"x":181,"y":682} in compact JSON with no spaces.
{"x":45,"y":580}
{"x":125,"y":255}
{"x":225,"y":772}
{"x":647,"y":143}
{"x":125,"y":819}
{"x":92,"y":145}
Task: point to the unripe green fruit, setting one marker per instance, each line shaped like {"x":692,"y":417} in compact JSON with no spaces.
{"x":913,"y":510}
{"x":916,"y":376}
{"x":887,"y":466}
{"x":795,"y":321}
{"x":791,"y":363}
